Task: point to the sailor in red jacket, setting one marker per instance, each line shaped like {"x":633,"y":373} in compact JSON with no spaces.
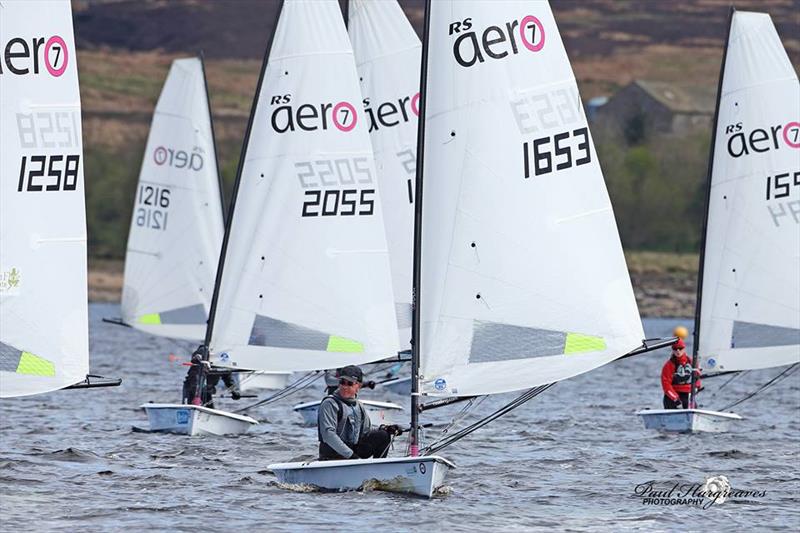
{"x":676,"y":378}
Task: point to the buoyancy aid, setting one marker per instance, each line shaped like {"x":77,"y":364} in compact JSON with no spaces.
{"x":682,"y":375}
{"x":326,"y":451}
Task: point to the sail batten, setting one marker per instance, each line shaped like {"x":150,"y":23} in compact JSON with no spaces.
{"x":523,"y":279}
{"x":750,"y":293}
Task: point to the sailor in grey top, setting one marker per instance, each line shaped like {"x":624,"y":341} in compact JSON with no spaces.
{"x":344,"y":429}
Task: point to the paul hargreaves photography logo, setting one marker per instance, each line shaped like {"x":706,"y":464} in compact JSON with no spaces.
{"x":715,"y":490}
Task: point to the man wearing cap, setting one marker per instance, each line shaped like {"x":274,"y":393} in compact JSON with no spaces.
{"x":676,"y":378}
{"x":344,"y":429}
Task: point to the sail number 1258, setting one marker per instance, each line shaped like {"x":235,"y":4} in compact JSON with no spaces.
{"x":48,"y":173}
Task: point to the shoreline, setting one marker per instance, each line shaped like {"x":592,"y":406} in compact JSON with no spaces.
{"x":664,"y":283}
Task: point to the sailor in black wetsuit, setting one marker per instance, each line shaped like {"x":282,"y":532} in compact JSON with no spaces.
{"x":197,"y":371}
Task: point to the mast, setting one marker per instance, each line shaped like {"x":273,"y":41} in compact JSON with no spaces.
{"x":415,"y":294}
{"x":202,"y":58}
{"x":240,"y":166}
{"x":696,"y":334}
{"x":346,"y":13}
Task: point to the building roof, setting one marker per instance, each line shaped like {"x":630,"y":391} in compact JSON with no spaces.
{"x":680,"y":98}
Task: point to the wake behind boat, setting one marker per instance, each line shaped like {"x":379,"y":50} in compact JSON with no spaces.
{"x":420,"y":476}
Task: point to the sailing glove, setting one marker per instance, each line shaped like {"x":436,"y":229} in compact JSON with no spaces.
{"x":236,"y":395}
{"x":392,"y":429}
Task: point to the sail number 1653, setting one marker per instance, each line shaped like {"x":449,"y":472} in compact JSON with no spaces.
{"x":556,"y":152}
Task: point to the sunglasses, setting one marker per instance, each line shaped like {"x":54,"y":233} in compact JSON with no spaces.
{"x":346,"y":382}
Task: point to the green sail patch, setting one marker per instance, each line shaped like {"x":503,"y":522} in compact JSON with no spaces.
{"x":340,"y":344}
{"x":578,"y":343}
{"x":153,"y":319}
{"x":35,"y":366}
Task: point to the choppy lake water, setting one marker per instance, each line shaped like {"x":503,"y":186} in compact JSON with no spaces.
{"x":570,"y":459}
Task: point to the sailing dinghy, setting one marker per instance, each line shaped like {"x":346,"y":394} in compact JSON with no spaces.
{"x":519,"y":275}
{"x":387,"y":54}
{"x":303,"y":281}
{"x":44,"y":323}
{"x":378,"y":412}
{"x":177,"y":222}
{"x":748,"y":299}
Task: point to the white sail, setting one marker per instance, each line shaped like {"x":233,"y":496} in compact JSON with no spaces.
{"x":750,"y":312}
{"x":44,"y":342}
{"x":306,"y":282}
{"x":176,"y":226}
{"x":387,"y":52}
{"x":523,"y":277}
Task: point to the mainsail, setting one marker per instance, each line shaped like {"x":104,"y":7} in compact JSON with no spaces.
{"x":750,"y":312}
{"x":306,"y":281}
{"x":387,"y":53}
{"x":44,"y":342}
{"x":523,"y":281}
{"x":176,"y":226}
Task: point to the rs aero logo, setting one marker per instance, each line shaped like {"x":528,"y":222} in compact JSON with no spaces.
{"x":179,"y":158}
{"x":311,"y":117}
{"x":495,"y":42}
{"x":34,"y":56}
{"x":742,"y":142}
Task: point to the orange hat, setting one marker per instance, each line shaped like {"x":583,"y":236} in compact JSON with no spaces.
{"x":678,"y":344}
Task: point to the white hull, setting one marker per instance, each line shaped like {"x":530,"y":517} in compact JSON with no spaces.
{"x":409,"y":475}
{"x":400,"y":386}
{"x":688,"y":420}
{"x":195,"y":420}
{"x":379,"y":412}
{"x":260,"y":380}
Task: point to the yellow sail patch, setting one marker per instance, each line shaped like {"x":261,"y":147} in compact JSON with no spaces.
{"x":577,"y":343}
{"x":153,"y":319}
{"x":340,"y":344}
{"x":35,"y":365}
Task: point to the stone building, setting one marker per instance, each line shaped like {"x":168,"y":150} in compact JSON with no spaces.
{"x":643,"y":108}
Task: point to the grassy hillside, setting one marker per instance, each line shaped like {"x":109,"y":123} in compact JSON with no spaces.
{"x":125,"y":49}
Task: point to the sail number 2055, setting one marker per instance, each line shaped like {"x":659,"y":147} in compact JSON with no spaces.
{"x":48,"y":173}
{"x":337,"y":187}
